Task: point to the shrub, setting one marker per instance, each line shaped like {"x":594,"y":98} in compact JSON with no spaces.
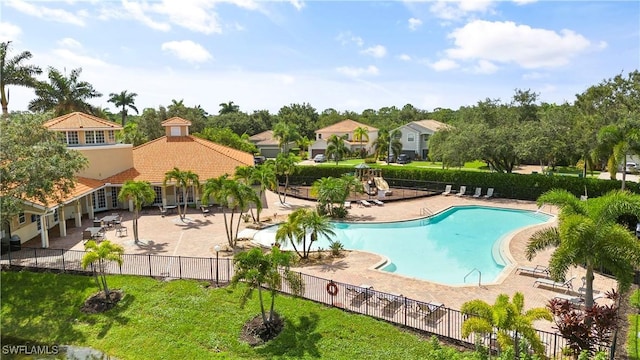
{"x":336,"y":247}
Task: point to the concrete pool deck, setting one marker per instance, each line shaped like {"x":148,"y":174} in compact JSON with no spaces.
{"x":200,"y":234}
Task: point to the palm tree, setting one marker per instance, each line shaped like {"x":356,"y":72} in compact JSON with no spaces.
{"x":615,"y":142}
{"x":14,"y":72}
{"x":183,"y":180}
{"x":381,"y":144}
{"x":100,"y":254}
{"x":265,"y":177}
{"x":285,"y":134}
{"x":285,"y":166}
{"x":588,"y":235}
{"x":232,"y":195}
{"x":330,"y":191}
{"x":140,"y":193}
{"x":507,"y":317}
{"x":124,"y":100}
{"x":361,"y":134}
{"x":63,"y":94}
{"x":315,"y":225}
{"x":396,"y":144}
{"x":289,"y":232}
{"x":228,"y":108}
{"x":336,"y":148}
{"x":303,"y":144}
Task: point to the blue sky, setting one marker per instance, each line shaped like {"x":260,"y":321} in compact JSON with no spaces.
{"x":346,"y":55}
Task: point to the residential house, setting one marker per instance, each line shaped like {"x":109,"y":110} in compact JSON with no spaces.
{"x":346,"y":130}
{"x":111,"y":164}
{"x":415,"y":137}
{"x":268,"y":144}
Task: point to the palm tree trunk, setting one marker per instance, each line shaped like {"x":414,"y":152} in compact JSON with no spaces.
{"x":226,"y":228}
{"x":264,"y":315}
{"x":135,"y":226}
{"x":588,"y":295}
{"x":184,"y":197}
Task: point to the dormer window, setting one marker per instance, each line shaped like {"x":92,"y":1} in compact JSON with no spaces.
{"x":175,"y":131}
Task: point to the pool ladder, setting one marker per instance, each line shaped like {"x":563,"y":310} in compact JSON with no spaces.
{"x":479,"y":276}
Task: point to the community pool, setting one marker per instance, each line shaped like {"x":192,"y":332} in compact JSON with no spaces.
{"x":443,"y":248}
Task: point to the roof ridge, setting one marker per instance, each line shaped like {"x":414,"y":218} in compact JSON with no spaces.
{"x":61,"y":118}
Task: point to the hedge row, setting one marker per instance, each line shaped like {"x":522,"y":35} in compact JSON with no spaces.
{"x":512,"y":186}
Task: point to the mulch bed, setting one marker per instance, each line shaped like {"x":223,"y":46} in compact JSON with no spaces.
{"x":98,"y":302}
{"x":256,"y":333}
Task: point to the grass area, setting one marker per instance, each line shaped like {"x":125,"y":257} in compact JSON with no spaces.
{"x":187,"y":320}
{"x":633,"y":347}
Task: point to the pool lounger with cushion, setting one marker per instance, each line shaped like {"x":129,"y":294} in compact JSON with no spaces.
{"x":538,"y":270}
{"x":554,"y":284}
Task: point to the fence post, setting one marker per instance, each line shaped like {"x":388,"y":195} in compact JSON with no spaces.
{"x":10,"y":255}
{"x":150,"y":265}
{"x":35,"y":255}
{"x":211,"y":267}
{"x":448,"y":322}
{"x":180,"y":265}
{"x":62,"y":254}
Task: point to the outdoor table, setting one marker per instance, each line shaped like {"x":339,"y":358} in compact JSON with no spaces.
{"x":94,"y":230}
{"x":109,"y":219}
{"x":170,"y":208}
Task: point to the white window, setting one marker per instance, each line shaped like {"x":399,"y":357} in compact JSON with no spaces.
{"x":175,"y":131}
{"x":410,"y":137}
{"x":112,"y":136}
{"x":158,"y":191}
{"x":89,"y":137}
{"x":99,"y":137}
{"x":70,"y":137}
{"x":21,"y":218}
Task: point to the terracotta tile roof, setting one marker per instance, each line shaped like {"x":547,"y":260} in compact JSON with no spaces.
{"x":345,"y":126}
{"x":175,"y":121}
{"x":264,"y":138}
{"x":205,"y":158}
{"x":83,"y":186}
{"x":78,"y":120}
{"x":432,"y":125}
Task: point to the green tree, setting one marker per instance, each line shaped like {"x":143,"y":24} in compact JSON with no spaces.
{"x":233,"y":196}
{"x":315,"y":225}
{"x":140,"y":193}
{"x":285,"y":133}
{"x":616,"y":142}
{"x":265,"y":176}
{"x":303,"y":144}
{"x":588,"y":235}
{"x":99,"y":256}
{"x":361,"y":134}
{"x":131,"y":134}
{"x":183,"y":180}
{"x":13,"y":71}
{"x":64,"y":94}
{"x":285,"y":165}
{"x":336,"y":148}
{"x":228,"y":138}
{"x":34,"y":165}
{"x":227,"y":108}
{"x":396,"y":144}
{"x":265,"y":271}
{"x":505,"y":316}
{"x":303,"y":117}
{"x":124,"y":100}
{"x":330,"y":191}
{"x":381,"y":144}
{"x":289,"y":231}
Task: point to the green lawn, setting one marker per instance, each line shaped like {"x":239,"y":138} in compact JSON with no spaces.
{"x":186,"y":320}
{"x":633,"y":347}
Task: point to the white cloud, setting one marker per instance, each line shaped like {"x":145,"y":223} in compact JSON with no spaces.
{"x":485,"y":67}
{"x":9,"y":32}
{"x":298,"y":4}
{"x":357,"y":72}
{"x":187,"y":50}
{"x":414,"y":24}
{"x":506,"y":42}
{"x":78,"y":60}
{"x":47,"y":13}
{"x":444,"y":65}
{"x":69,"y":43}
{"x":377,"y":51}
{"x":404,"y":57}
{"x":195,"y":16}
{"x":136,"y":11}
{"x":524,"y":2}
{"x":457,"y":9}
{"x":347,"y":37}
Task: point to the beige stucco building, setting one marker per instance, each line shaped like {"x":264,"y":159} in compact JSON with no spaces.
{"x":110,"y":164}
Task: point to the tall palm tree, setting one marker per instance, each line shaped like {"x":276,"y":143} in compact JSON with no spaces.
{"x":588,"y":235}
{"x":183,"y":180}
{"x":336,"y":148}
{"x":329,"y":191}
{"x":228,"y":108}
{"x":285,"y":133}
{"x":615,"y":142}
{"x":381,"y":144}
{"x":234,"y":196}
{"x":303,"y":144}
{"x":13,"y":71}
{"x":396,"y":144}
{"x":140,"y":193}
{"x":315,"y":225}
{"x":64,"y":94}
{"x":124,"y":100}
{"x":285,"y":166}
{"x":360,"y":134}
{"x":101,"y":254}
{"x":265,"y":177}
{"x":507,"y":317}
{"x":289,"y":232}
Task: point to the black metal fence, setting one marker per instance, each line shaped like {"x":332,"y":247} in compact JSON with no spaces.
{"x":432,"y":318}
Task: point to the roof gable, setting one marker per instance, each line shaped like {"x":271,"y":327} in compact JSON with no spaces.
{"x":80,"y":121}
{"x":174,"y":121}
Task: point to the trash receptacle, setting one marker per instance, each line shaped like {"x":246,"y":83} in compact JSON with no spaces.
{"x":15,"y":243}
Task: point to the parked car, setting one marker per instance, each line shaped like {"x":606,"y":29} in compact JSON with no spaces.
{"x":259,"y":160}
{"x":391,"y":159}
{"x":320,"y":158}
{"x":403,"y":159}
{"x":632,"y":168}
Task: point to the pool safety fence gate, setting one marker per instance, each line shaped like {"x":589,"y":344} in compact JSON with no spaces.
{"x":426,"y":317}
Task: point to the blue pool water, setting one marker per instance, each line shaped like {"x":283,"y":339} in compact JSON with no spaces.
{"x":442,"y":248}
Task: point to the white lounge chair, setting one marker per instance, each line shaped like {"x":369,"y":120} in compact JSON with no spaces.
{"x":538,"y":270}
{"x":447,"y":190}
{"x":576,"y":301}
{"x":377,"y":202}
{"x":365,"y":203}
{"x":568,"y":285}
{"x":478,"y":192}
{"x":489,"y":193}
{"x":463,"y":190}
{"x":347,"y":204}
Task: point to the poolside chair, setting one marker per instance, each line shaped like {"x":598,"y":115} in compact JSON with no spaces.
{"x":576,"y":301}
{"x":365,"y":203}
{"x":347,"y":204}
{"x":390,"y":303}
{"x":431,"y":311}
{"x":447,"y":190}
{"x":463,"y":190}
{"x":489,"y":193}
{"x":478,"y":192}
{"x":163,"y":211}
{"x":121,"y":230}
{"x":567,"y":285}
{"x":538,"y":271}
{"x":205,"y":211}
{"x":377,"y":202}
